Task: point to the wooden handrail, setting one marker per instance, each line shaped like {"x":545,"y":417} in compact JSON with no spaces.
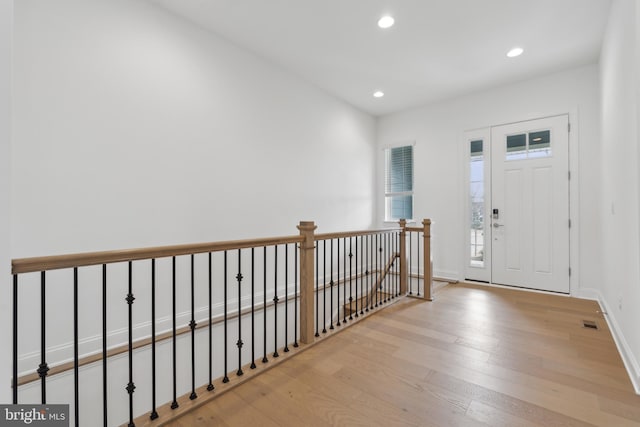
{"x":29,"y":265}
{"x":56,"y":262}
{"x":340,"y":235}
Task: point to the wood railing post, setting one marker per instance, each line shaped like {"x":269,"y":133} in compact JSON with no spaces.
{"x":428,"y":274}
{"x":307,"y":229}
{"x":403,"y":257}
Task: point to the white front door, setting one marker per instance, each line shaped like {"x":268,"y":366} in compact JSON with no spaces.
{"x":530,"y":204}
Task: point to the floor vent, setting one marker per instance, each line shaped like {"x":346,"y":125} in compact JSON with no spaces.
{"x":589,"y":324}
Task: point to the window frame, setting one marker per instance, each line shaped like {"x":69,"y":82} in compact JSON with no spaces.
{"x":387,"y":172}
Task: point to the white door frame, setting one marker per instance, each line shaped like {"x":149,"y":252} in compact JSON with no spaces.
{"x":574,"y":191}
{"x":481,"y":273}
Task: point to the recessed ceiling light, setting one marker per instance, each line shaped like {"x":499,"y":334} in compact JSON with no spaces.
{"x":378,"y":94}
{"x":516,"y":51}
{"x":386,"y":21}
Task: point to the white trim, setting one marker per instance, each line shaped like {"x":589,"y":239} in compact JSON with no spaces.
{"x":630,"y":362}
{"x":398,"y":144}
{"x":451,"y":276}
{"x":574,"y":202}
{"x":513,"y":288}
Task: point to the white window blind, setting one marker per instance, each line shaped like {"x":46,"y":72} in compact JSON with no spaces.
{"x":399,"y":183}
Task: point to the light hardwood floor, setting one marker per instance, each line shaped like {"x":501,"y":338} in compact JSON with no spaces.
{"x":475,"y":356}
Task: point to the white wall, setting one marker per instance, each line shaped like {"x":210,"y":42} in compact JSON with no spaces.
{"x":439,"y":159}
{"x":6,"y":20}
{"x":620,"y":211}
{"x":135,"y":128}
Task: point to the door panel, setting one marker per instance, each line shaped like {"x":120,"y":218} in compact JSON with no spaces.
{"x":530,"y":190}
{"x":542,"y":220}
{"x":513,"y":202}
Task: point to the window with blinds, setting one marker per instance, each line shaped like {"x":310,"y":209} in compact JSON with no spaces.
{"x":398,"y":189}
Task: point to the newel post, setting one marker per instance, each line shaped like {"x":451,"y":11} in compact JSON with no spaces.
{"x":403,"y":257}
{"x":307,"y":247}
{"x":428,"y":274}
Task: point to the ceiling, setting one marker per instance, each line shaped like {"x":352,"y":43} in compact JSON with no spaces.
{"x":437,"y":49}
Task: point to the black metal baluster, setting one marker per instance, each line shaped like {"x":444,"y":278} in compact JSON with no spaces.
{"x":392,"y":249}
{"x":154,"y":413}
{"x":286,"y":298}
{"x":383,"y":276}
{"x":397,"y":253}
{"x":385,"y":257}
{"x":239,"y":343}
{"x":210,"y":386}
{"x":374,"y":265}
{"x":392,"y":259}
{"x":372,"y":262}
{"x":331,"y":283}
{"x":226,"y":377}
{"x":264,"y":306}
{"x":361,"y":277}
{"x":378,"y":272}
{"x":374,"y":272}
{"x":43,"y":368}
{"x":253,"y":310}
{"x":424,"y":281}
{"x":368,"y":256}
{"x":295,"y":305}
{"x":76,"y":366}
{"x":394,"y":285}
{"x":357,"y":275}
{"x":104,"y":346}
{"x":324,"y":286}
{"x":130,"y":386}
{"x":317,"y":250}
{"x":275,"y":303}
{"x":344,"y":284}
{"x":410,"y":263}
{"x":382,"y":269}
{"x":174,"y":403}
{"x":192,"y":326}
{"x":338,"y":283}
{"x":350,"y":278}
{"x":14,"y":380}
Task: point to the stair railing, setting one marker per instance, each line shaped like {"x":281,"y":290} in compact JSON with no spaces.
{"x":163,"y":324}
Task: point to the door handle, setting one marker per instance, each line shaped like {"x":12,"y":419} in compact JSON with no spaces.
{"x":496,"y":225}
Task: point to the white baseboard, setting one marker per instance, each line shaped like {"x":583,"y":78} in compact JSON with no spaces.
{"x":630,"y":361}
{"x":445,"y":274}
